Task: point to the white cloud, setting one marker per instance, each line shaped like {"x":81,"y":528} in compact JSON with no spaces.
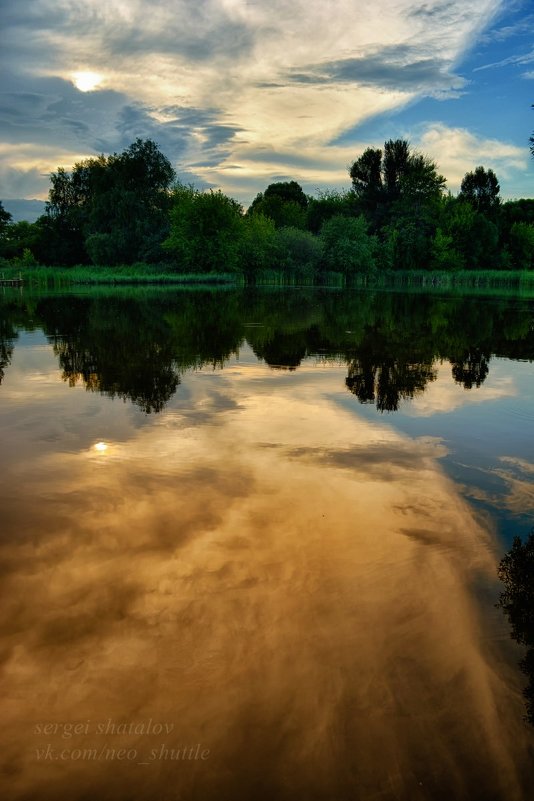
{"x":458,"y":151}
{"x":444,"y":395}
{"x":238,"y":60}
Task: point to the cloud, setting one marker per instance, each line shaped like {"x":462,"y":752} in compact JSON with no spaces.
{"x":443,"y":396}
{"x":215,"y":81}
{"x":458,"y":151}
{"x":395,"y":67}
{"x":524,"y":58}
{"x":281,"y":610}
{"x":520,"y":27}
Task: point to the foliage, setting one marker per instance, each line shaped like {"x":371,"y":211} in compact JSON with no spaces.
{"x":257,"y":243}
{"x":5,"y":220}
{"x":522,"y":245}
{"x":20,"y":237}
{"x":284,"y":203}
{"x":516,"y":571}
{"x":296,"y":251}
{"x":120,"y":209}
{"x":206,"y":230}
{"x":481,"y":189}
{"x":380,"y":178}
{"x":327,"y":205}
{"x":115,"y":206}
{"x":348,"y":248}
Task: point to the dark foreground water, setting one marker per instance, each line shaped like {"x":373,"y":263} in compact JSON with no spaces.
{"x":249,"y":546}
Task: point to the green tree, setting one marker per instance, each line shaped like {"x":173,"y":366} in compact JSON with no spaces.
{"x":21,"y":237}
{"x":348,"y":248}
{"x":284,"y":203}
{"x":522,"y":245}
{"x":481,"y":189}
{"x":328,"y":204}
{"x":382,"y":178}
{"x":366,"y":175}
{"x":296,"y":252}
{"x":5,"y":219}
{"x":444,"y":255}
{"x":474,"y":236}
{"x":112,"y":207}
{"x":206,"y":231}
{"x":257,"y":243}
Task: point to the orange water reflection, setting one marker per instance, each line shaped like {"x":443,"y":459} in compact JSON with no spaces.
{"x":285,"y":585}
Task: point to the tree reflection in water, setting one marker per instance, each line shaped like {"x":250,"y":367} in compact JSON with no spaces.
{"x":516,"y":571}
{"x":137,"y":344}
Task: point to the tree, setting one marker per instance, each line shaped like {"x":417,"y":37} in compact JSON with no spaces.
{"x":112,"y":207}
{"x":257,"y":243}
{"x":481,"y":189}
{"x":329,"y":204}
{"x":348,"y":248}
{"x":20,"y":238}
{"x":206,"y":230}
{"x":296,"y":252}
{"x":516,"y":571}
{"x":382,"y":179}
{"x":522,"y":245}
{"x":366,"y":175}
{"x":284,"y":203}
{"x":5,"y":219}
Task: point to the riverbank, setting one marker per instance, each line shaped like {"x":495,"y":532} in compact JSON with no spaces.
{"x":38,"y":277}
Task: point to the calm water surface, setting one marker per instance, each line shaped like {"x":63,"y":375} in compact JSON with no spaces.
{"x":249,"y":545}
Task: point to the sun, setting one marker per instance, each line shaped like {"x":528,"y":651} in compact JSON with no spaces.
{"x":86,"y":81}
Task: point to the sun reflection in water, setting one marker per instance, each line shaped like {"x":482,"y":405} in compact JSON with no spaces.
{"x":100,"y":447}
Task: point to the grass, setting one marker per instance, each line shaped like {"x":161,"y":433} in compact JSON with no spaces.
{"x":517,"y":282}
{"x":469,"y":278}
{"x":57,"y":277}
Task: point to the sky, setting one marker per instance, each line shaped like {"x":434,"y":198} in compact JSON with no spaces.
{"x":241,"y":93}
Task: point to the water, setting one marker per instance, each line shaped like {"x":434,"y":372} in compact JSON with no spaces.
{"x":250,"y":545}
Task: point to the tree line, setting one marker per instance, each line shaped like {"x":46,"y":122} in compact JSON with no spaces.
{"x":128,"y":208}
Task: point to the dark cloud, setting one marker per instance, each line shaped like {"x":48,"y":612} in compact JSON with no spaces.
{"x":19,"y":183}
{"x":52,"y":112}
{"x":196,"y":32}
{"x":377,"y":460}
{"x":396,"y":68}
{"x":435,"y":11}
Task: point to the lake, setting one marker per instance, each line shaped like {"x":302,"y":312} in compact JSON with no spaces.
{"x":250,"y":543}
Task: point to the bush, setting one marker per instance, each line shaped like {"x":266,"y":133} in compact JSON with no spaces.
{"x":348,"y":248}
{"x":297,"y":252}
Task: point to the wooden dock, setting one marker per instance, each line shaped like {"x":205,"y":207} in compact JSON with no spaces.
{"x":12,"y":281}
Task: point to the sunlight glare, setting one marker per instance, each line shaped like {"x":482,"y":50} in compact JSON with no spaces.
{"x":86,"y":81}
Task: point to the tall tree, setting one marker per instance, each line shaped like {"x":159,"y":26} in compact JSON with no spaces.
{"x":382,"y":178}
{"x":115,"y":208}
{"x":5,"y":219}
{"x":481,"y":189}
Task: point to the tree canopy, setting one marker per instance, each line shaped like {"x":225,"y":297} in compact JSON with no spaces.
{"x":112,"y":208}
{"x":481,"y":189}
{"x":383,"y":177}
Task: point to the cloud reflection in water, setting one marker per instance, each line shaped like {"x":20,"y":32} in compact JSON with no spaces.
{"x":288,"y":584}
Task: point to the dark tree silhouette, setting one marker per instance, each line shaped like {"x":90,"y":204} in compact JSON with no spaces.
{"x":481,"y":189}
{"x":516,"y":571}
